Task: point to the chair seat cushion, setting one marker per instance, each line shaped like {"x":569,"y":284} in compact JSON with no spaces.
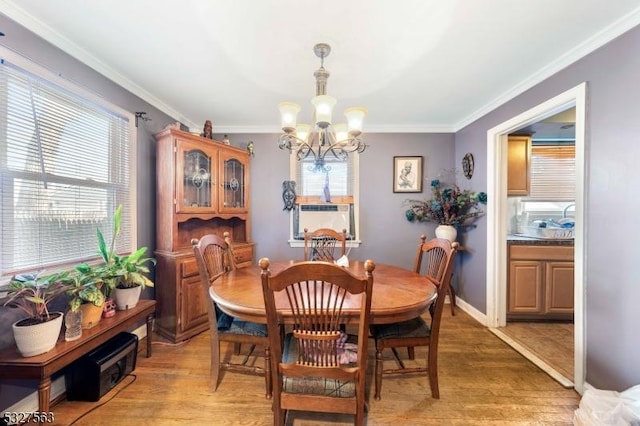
{"x":228,"y":324}
{"x":416,"y":327}
{"x":223,"y":320}
{"x":245,"y":327}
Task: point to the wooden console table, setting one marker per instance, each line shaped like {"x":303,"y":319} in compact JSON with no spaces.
{"x":42,"y":367}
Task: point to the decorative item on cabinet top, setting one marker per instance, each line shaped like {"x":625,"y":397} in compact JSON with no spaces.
{"x":207,"y":131}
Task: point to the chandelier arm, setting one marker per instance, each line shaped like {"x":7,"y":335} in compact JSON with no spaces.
{"x":293,"y":143}
{"x":304,"y":152}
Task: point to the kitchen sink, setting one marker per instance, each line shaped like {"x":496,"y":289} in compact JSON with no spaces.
{"x":548,"y":233}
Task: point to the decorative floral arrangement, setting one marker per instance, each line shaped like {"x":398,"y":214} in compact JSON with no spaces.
{"x":449,"y":206}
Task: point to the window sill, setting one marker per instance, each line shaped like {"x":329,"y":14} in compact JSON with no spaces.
{"x":300,"y":243}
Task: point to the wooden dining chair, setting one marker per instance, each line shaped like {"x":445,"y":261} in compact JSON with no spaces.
{"x":324,"y":244}
{"x":214,"y":259}
{"x":317,"y":367}
{"x":435,"y":260}
{"x":434,"y":268}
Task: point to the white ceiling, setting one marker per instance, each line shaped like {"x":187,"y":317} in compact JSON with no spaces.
{"x":417,"y":65}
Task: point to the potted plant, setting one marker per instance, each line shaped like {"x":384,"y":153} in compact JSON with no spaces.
{"x":32,"y":293}
{"x":86,"y":294}
{"x":124,"y":276}
{"x":450,"y":207}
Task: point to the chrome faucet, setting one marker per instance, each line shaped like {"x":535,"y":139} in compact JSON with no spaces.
{"x":564,"y":212}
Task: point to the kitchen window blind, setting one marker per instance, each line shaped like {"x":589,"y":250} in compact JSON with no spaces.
{"x":553,"y":173}
{"x":65,"y":165}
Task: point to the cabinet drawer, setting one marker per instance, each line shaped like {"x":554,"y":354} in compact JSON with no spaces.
{"x":189,"y":268}
{"x":537,"y":252}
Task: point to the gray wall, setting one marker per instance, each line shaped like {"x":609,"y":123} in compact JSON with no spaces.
{"x":612,"y":203}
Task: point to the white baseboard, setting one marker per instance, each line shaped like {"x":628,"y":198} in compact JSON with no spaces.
{"x":58,"y":386}
{"x":473,"y":312}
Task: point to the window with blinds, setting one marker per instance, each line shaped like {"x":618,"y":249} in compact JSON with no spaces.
{"x":339,"y":179}
{"x":553,"y":173}
{"x":338,"y":186}
{"x":65,"y":165}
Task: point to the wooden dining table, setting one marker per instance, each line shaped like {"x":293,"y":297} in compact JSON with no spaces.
{"x":398,"y":294}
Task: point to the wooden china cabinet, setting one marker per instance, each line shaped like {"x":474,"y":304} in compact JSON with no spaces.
{"x":202,"y":188}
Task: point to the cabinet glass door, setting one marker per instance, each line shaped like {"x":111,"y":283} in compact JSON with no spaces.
{"x":196,"y":174}
{"x":233,"y":185}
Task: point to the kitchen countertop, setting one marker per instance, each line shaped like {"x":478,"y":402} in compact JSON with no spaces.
{"x":517,"y":239}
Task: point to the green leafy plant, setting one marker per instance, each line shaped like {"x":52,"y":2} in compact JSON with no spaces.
{"x":449,"y":205}
{"x":32,"y":294}
{"x":85,"y":287}
{"x":122,"y":271}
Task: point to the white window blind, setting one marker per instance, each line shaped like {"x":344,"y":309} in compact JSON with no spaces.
{"x":553,"y":173}
{"x":340,"y":178}
{"x":342,"y":183}
{"x":65,"y":166}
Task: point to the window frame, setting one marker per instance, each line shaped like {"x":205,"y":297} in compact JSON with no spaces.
{"x":355,"y":173}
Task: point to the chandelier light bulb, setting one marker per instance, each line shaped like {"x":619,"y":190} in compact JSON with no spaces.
{"x":288,"y":115}
{"x":355,"y":118}
{"x":324,"y":107}
{"x":302,"y":131}
{"x":341,"y":132}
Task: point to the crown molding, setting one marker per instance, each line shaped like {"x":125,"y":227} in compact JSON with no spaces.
{"x":588,"y":46}
{"x":427,"y":128}
{"x":591,"y":44}
{"x":53,"y":37}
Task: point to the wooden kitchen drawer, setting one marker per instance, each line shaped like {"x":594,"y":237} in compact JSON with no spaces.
{"x":189,"y":268}
{"x":540,"y":252}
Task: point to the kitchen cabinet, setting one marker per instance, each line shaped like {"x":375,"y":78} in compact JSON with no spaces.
{"x":540,"y":282}
{"x":519,"y":158}
{"x":202,"y":188}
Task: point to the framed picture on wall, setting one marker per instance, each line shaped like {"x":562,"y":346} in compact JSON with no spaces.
{"x":407,"y":174}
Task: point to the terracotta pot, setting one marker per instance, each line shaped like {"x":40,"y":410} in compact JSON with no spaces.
{"x":37,"y":339}
{"x":91,"y":314}
{"x":447,"y":232}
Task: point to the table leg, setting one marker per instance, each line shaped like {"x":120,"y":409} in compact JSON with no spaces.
{"x":44,"y":394}
{"x":452,"y":299}
{"x":149,"y":331}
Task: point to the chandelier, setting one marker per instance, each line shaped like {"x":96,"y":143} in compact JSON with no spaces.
{"x":338,"y":140}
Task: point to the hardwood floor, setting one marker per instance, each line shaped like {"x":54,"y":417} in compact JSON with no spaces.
{"x":552,"y":342}
{"x":483,"y":381}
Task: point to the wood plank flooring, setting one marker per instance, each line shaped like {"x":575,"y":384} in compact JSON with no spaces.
{"x":552,"y":342}
{"x":482,"y":382}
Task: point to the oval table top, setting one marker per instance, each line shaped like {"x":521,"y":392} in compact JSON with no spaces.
{"x":398,"y":294}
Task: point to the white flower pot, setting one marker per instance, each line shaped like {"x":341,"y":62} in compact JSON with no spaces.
{"x":447,"y":232}
{"x":127,"y":298}
{"x":37,"y":339}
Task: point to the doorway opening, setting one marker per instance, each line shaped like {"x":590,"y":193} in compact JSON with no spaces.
{"x":498,"y":220}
